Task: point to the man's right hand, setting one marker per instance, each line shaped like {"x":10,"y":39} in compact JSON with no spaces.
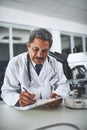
{"x":26,"y":98}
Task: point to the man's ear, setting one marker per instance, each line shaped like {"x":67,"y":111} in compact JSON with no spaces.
{"x":28,"y":44}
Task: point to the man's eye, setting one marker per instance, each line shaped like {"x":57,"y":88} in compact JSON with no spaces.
{"x":35,"y":49}
{"x":45,"y":51}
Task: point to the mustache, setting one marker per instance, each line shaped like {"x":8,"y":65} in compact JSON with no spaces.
{"x":39,"y":58}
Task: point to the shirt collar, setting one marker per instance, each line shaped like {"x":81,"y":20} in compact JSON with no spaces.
{"x":34,"y":63}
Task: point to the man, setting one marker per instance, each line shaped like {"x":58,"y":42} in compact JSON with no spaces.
{"x":23,"y":85}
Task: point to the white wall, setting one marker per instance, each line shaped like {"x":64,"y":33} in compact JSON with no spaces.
{"x":57,"y":25}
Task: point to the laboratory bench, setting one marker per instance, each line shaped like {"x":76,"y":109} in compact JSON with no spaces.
{"x":42,"y":118}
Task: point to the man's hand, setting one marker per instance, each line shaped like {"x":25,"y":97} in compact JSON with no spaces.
{"x":26,"y":98}
{"x":55,"y":103}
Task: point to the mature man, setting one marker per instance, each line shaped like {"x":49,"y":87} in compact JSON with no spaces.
{"x":34,"y":74}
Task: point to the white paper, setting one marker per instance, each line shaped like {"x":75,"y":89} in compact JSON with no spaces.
{"x":40,"y":102}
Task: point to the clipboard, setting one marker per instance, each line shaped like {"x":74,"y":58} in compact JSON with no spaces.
{"x":38,"y":103}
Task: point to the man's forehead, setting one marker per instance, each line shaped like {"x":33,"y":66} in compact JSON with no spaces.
{"x":42,"y":44}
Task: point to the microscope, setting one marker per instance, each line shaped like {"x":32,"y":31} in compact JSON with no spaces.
{"x":77,"y":65}
{"x":77,"y":96}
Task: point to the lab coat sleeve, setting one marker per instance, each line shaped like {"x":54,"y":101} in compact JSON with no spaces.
{"x":55,"y":81}
{"x":56,"y":86}
{"x":62,"y":88}
{"x":10,"y":86}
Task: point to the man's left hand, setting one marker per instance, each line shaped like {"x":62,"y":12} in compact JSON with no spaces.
{"x":54,"y":103}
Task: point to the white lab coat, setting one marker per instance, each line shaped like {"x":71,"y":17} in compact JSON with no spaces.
{"x":16,"y":77}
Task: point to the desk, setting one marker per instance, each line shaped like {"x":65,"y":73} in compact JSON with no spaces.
{"x":12,"y":119}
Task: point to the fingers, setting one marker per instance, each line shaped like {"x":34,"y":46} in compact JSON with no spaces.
{"x":26,"y":98}
{"x":54,"y":103}
{"x":53,"y":95}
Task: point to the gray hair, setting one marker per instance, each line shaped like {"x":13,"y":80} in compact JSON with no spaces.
{"x":41,"y":33}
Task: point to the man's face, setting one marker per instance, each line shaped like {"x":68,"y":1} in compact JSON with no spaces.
{"x":38,"y":50}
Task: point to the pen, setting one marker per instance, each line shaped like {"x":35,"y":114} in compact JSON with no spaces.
{"x":29,"y":93}
{"x":25,"y":89}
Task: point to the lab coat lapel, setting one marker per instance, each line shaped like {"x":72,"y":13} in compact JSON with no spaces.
{"x":45,"y":71}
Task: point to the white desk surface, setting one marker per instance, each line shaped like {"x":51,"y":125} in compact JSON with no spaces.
{"x":12,"y":119}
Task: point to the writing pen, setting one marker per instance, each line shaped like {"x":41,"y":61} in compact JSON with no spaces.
{"x":25,"y":89}
{"x":28,"y":92}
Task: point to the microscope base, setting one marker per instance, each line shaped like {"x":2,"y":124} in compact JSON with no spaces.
{"x":75,"y":103}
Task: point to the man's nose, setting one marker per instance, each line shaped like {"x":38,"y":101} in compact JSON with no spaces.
{"x":40,"y":53}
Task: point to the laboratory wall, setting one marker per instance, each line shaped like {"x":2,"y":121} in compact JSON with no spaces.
{"x":34,"y":20}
